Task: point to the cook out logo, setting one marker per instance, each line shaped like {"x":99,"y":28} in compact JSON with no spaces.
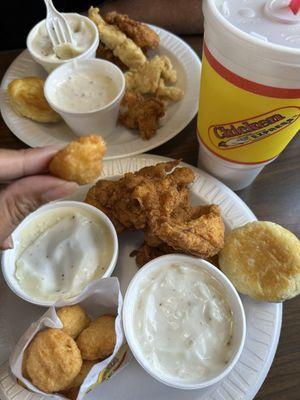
{"x":240,"y":133}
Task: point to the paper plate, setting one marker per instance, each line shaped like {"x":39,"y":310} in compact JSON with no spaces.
{"x":133,"y":383}
{"x":121,"y":142}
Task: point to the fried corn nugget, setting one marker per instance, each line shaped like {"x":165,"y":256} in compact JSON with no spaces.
{"x":106,"y":54}
{"x":27,"y":98}
{"x":74,"y":319}
{"x":141,"y":113}
{"x":85,"y":369}
{"x":98,"y":340}
{"x":53,"y":361}
{"x":122,"y":47}
{"x":141,"y":34}
{"x":146,"y":78}
{"x":70,"y":393}
{"x":80,"y":161}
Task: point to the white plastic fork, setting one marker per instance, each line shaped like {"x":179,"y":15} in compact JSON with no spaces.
{"x":57,"y":26}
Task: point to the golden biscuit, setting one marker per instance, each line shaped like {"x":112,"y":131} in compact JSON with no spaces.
{"x":98,"y":340}
{"x":80,"y":161}
{"x":53,"y":361}
{"x":262,"y":260}
{"x":27,"y":98}
{"x":74,"y":319}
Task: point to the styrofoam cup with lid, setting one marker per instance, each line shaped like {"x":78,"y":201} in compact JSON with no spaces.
{"x":250,"y":88}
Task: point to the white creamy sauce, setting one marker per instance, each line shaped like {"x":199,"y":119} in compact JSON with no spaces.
{"x":82,"y":35}
{"x":60,"y":252}
{"x":183,"y":323}
{"x":84,"y":91}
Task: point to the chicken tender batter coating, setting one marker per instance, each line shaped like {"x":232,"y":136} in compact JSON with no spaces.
{"x":74,"y":319}
{"x":141,"y":34}
{"x":122,"y":47}
{"x":27,"y":98}
{"x":141,"y":113}
{"x":53,"y":360}
{"x":98,"y":340}
{"x":80,"y":161}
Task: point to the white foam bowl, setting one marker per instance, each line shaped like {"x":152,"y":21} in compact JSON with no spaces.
{"x":98,"y":121}
{"x":239,"y":330}
{"x":9,"y":256}
{"x":50,"y":65}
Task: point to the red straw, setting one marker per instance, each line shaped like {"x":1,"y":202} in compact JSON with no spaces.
{"x":295,"y":6}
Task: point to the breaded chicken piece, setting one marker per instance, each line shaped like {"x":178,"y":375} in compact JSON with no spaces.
{"x":171,"y":93}
{"x":106,"y":54}
{"x":156,"y":200}
{"x":141,"y":34}
{"x":74,"y":319}
{"x":53,"y":360}
{"x":27,"y":99}
{"x":141,"y":113}
{"x":80,"y":161}
{"x":194,"y":230}
{"x":98,"y":340}
{"x":118,"y":199}
{"x":146,"y":78}
{"x":122,"y":47}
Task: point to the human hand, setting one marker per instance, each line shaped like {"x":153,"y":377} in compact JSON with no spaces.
{"x":30,"y":189}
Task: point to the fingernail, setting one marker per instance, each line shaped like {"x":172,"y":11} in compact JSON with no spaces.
{"x":7,"y":244}
{"x":60,"y":191}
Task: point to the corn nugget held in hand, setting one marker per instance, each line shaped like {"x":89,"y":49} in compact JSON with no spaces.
{"x":74,"y":319}
{"x":141,"y":34}
{"x":53,"y":360}
{"x":27,"y":99}
{"x":98,"y":340}
{"x":80,"y":161}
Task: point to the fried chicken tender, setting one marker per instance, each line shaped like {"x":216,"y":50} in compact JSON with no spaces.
{"x":195,"y":230}
{"x":122,"y":47}
{"x":171,"y":93}
{"x":141,"y":34}
{"x":98,"y":340}
{"x":27,"y":98}
{"x":141,"y":113}
{"x":106,"y":54}
{"x":146,"y":78}
{"x":74,"y":319}
{"x":118,"y":198}
{"x":156,"y":200}
{"x":80,"y":161}
{"x":53,"y":360}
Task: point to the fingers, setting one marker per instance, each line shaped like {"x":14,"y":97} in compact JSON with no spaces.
{"x":26,"y":195}
{"x":18,"y":163}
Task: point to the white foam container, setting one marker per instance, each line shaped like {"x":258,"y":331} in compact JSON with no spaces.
{"x":254,"y":59}
{"x":99,"y":121}
{"x":9,"y":256}
{"x":50,"y":65}
{"x":231,"y":295}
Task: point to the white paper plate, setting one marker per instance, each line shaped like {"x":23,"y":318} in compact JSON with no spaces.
{"x":133,"y":383}
{"x":121,"y":142}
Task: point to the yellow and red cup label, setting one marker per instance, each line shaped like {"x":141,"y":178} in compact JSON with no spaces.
{"x":243,"y":121}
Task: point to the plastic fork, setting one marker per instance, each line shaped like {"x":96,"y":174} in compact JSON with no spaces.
{"x":57,"y":26}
